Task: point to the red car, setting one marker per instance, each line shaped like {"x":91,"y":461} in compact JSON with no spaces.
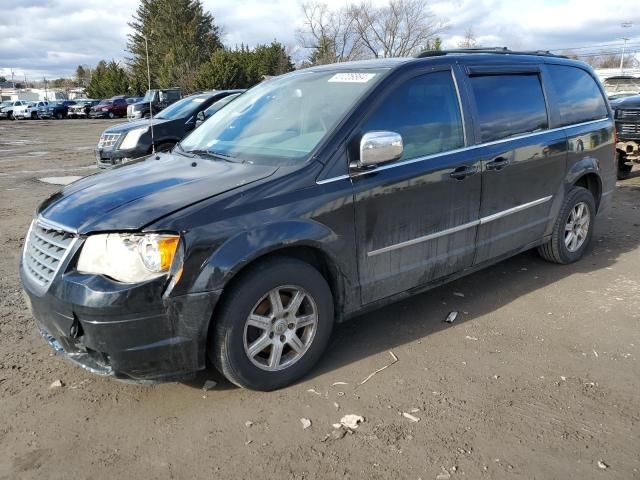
{"x":110,"y":108}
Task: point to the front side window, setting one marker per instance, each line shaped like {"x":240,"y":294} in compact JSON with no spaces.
{"x":509,"y":105}
{"x":282,"y":120}
{"x":579,"y":97}
{"x":426,"y":112}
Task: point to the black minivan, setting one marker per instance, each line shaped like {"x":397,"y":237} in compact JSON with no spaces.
{"x":312,"y":197}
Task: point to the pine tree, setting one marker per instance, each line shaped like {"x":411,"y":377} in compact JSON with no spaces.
{"x":181,"y":37}
{"x":108,"y":80}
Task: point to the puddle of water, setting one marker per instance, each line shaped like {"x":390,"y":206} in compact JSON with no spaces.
{"x":60,"y":180}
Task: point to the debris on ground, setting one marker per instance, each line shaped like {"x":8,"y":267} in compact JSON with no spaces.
{"x":248,"y":423}
{"x":443,"y":476}
{"x":335,"y":384}
{"x":338,"y":433}
{"x":209,"y":385}
{"x":451,"y":317}
{"x":306,"y":423}
{"x":459,"y":294}
{"x":468,"y":337}
{"x":248,"y":442}
{"x":313,"y":390}
{"x":337,"y":405}
{"x":395,"y":359}
{"x":602,"y":465}
{"x":414,"y":410}
{"x":351,"y":421}
{"x":410,"y":417}
{"x":56,"y":384}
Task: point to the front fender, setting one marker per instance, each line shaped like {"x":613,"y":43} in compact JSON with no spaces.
{"x":243,"y":248}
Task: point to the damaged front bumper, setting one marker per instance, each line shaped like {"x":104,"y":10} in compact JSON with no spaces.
{"x":130,"y":332}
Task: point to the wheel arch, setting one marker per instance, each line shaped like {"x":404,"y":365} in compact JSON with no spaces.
{"x":586,"y":173}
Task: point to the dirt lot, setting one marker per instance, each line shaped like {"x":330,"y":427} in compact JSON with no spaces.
{"x":538,"y":378}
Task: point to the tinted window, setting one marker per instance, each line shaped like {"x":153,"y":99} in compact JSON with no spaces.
{"x":509,"y":105}
{"x":579,"y":98}
{"x":426,"y":112}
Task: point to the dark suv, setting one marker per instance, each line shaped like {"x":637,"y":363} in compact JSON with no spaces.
{"x":312,"y":197}
{"x":154,"y":101}
{"x":127,"y":141}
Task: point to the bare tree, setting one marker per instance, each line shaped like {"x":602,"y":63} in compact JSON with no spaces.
{"x":469,"y":40}
{"x":399,"y":29}
{"x":331,"y":34}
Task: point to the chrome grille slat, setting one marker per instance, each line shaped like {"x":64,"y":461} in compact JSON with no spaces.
{"x":45,"y":251}
{"x":108,"y":140}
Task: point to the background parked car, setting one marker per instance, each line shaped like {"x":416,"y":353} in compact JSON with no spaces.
{"x":81,"y":108}
{"x":204,"y":114}
{"x":7,"y":108}
{"x":60,"y":108}
{"x":110,"y":108}
{"x":32,"y":110}
{"x":126,"y":141}
{"x":154,"y":102}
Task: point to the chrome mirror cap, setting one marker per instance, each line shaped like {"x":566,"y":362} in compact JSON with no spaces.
{"x":379,"y":147}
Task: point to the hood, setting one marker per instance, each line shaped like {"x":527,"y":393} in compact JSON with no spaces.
{"x":627,"y":102}
{"x":137,"y":194}
{"x":128,"y":126}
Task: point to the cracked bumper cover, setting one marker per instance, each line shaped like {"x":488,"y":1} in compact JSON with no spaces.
{"x":129,"y":332}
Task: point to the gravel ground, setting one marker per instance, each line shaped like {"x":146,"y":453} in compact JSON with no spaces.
{"x":538,"y":378}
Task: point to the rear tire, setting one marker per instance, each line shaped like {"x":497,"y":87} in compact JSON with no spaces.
{"x":623,"y":170}
{"x":291,"y":336}
{"x":573,"y":229}
{"x":34,"y":116}
{"x":112,"y":115}
{"x":11,"y":116}
{"x":59,"y":116}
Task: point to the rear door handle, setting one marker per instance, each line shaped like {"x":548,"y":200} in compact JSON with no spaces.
{"x":498,"y":163}
{"x":461,"y":173}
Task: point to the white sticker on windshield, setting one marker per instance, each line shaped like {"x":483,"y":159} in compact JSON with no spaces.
{"x":352,"y":77}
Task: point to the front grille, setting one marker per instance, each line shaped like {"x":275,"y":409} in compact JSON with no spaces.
{"x":633,"y":115}
{"x":628,"y":128}
{"x":108,"y":140}
{"x":45,"y":250}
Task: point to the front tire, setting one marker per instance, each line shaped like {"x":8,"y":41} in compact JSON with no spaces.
{"x":112,"y":115}
{"x":34,"y":116}
{"x":573,"y":229}
{"x":273,"y":325}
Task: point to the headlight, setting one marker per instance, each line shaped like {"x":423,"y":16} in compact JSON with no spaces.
{"x":132,"y":137}
{"x":128,"y":258}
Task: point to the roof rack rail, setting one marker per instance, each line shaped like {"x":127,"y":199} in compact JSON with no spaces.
{"x":494,"y":50}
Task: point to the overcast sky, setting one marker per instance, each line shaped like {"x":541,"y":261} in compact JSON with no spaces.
{"x":51,"y":37}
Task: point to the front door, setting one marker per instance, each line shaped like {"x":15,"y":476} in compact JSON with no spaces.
{"x":416,"y":218}
{"x":523,"y":162}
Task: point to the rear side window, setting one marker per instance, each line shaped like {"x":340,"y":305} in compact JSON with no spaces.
{"x":426,"y":112}
{"x":509,"y":105}
{"x":578,"y":96}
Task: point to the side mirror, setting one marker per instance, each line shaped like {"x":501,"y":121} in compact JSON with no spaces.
{"x":379,"y":147}
{"x":200,"y":116}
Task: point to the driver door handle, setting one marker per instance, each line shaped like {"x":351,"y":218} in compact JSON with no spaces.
{"x":498,"y":163}
{"x":461,"y":173}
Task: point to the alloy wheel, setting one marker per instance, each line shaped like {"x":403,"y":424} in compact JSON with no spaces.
{"x":577,"y":227}
{"x":280,"y":328}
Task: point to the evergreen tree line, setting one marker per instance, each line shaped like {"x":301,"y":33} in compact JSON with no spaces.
{"x":185,"y":50}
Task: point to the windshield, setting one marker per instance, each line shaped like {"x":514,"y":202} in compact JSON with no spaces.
{"x":182,"y":108}
{"x":280,"y":121}
{"x":6,"y":104}
{"x":105,"y":102}
{"x":149,"y":96}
